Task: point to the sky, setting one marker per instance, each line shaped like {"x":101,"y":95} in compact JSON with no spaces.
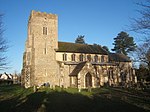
{"x":98,"y":20}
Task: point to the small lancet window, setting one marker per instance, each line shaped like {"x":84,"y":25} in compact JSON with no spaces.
{"x":45,"y":51}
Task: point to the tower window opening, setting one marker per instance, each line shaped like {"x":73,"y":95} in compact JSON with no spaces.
{"x":45,"y":51}
{"x":44,"y":30}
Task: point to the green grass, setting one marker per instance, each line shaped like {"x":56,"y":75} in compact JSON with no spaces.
{"x":17,"y":99}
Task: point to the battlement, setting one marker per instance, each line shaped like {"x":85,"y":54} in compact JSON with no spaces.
{"x":42,"y":14}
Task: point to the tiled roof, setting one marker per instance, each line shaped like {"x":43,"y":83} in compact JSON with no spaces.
{"x":80,"y":48}
{"x":118,"y":57}
{"x":77,"y":69}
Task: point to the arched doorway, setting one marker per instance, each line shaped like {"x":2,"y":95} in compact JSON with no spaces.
{"x":88,"y":80}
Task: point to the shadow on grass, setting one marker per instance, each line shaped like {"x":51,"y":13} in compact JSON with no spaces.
{"x":66,"y":102}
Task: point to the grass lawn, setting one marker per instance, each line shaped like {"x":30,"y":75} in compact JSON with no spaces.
{"x":17,"y":99}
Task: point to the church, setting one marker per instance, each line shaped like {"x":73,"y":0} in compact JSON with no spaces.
{"x":65,"y":64}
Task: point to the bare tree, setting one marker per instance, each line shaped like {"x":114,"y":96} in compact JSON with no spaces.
{"x":3,"y":46}
{"x":142,"y":24}
{"x":143,"y":53}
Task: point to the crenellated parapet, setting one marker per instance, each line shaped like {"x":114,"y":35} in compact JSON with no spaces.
{"x":42,"y":14}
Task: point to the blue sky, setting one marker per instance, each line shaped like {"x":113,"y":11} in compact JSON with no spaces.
{"x":99,"y":20}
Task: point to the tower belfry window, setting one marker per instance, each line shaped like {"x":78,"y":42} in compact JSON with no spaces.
{"x":44,"y":30}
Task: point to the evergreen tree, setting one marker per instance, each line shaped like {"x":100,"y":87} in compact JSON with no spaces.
{"x":123,"y":43}
{"x":80,"y":39}
{"x":106,"y":48}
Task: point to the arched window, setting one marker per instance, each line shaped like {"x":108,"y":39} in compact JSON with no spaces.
{"x":73,"y":57}
{"x":81,"y":57}
{"x":102,"y":59}
{"x":88,"y":80}
{"x":64,"y":57}
{"x":88,"y":57}
{"x":96,"y":58}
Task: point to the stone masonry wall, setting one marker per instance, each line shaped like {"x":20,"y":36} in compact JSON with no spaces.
{"x":43,"y":43}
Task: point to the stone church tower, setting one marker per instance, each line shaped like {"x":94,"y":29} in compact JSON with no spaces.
{"x":40,"y":64}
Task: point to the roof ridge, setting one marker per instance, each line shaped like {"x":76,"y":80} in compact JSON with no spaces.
{"x":77,"y":43}
{"x":80,"y":48}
